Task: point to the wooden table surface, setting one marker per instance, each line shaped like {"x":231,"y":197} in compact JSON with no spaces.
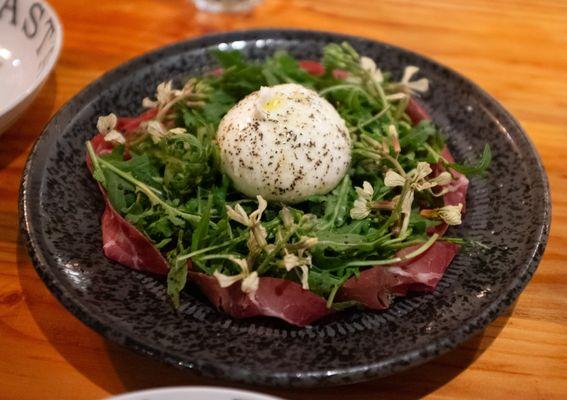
{"x":516,"y":50}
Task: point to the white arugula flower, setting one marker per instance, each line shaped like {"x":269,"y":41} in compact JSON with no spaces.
{"x":158,"y":131}
{"x":299,"y":257}
{"x":177,"y":131}
{"x":258,"y":234}
{"x":361,"y":209}
{"x":286,"y":217}
{"x":292,"y":261}
{"x":167,"y":97}
{"x":394,"y":137}
{"x":406,"y":87}
{"x":155,"y":129}
{"x":115,"y":137}
{"x":368,"y":64}
{"x":450,"y":214}
{"x":413,"y":87}
{"x":306,"y":243}
{"x":417,"y":178}
{"x":393,"y":179}
{"x":418,"y":181}
{"x":164,"y":94}
{"x":250,"y":280}
{"x":106,"y":125}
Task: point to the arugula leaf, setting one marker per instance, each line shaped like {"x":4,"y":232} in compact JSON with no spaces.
{"x":476,"y":169}
{"x":120,"y":192}
{"x":203,"y":225}
{"x":283,"y":68}
{"x":418,"y":135}
{"x":97,"y":173}
{"x":349,"y":242}
{"x":176,"y":280}
{"x":336,"y":204}
{"x":322,"y":283}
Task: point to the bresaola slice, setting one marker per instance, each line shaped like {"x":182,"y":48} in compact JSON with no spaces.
{"x":376,"y":287}
{"x":123,"y":243}
{"x":458,"y":187}
{"x":314,"y":68}
{"x":416,"y":112}
{"x":128,"y":125}
{"x":100,"y":147}
{"x":372,"y":289}
{"x":279,"y":298}
{"x":423,"y":273}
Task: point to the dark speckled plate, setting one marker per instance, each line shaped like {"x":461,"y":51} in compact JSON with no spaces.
{"x":508,"y":210}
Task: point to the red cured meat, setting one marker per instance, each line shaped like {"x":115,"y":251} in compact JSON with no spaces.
{"x":275,"y":297}
{"x":458,"y":187}
{"x":314,"y":68}
{"x":100,"y":146}
{"x":372,"y":289}
{"x":375,"y":287}
{"x":231,"y":300}
{"x":340,"y":74}
{"x":416,"y":112}
{"x":123,"y":243}
{"x":422,"y":273}
{"x":128,"y":125}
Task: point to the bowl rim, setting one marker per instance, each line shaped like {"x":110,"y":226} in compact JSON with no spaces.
{"x":213,"y":390}
{"x":356,"y":373}
{"x":40,"y":79}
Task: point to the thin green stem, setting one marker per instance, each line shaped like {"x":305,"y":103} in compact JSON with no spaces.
{"x":368,"y":154}
{"x":395,"y":163}
{"x":371,"y":119}
{"x":335,"y":289}
{"x":395,"y":215}
{"x":93,"y":156}
{"x":435,"y":154}
{"x":400,"y":110}
{"x":210,"y":248}
{"x":417,"y":252}
{"x":379,"y":153}
{"x":347,"y":86}
{"x":219,"y":257}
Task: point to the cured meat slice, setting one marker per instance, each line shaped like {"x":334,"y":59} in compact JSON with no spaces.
{"x":280,"y":298}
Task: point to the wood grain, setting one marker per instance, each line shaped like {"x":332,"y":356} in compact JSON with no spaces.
{"x":517,"y":50}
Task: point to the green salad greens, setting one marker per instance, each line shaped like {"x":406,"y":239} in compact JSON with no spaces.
{"x":171,"y":187}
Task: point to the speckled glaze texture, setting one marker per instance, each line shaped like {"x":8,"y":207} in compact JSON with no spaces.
{"x":508,"y":211}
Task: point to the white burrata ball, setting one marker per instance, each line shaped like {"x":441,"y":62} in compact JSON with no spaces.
{"x":284,"y":143}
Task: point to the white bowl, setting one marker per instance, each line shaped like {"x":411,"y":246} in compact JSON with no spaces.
{"x":193,"y":393}
{"x":30,"y":43}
